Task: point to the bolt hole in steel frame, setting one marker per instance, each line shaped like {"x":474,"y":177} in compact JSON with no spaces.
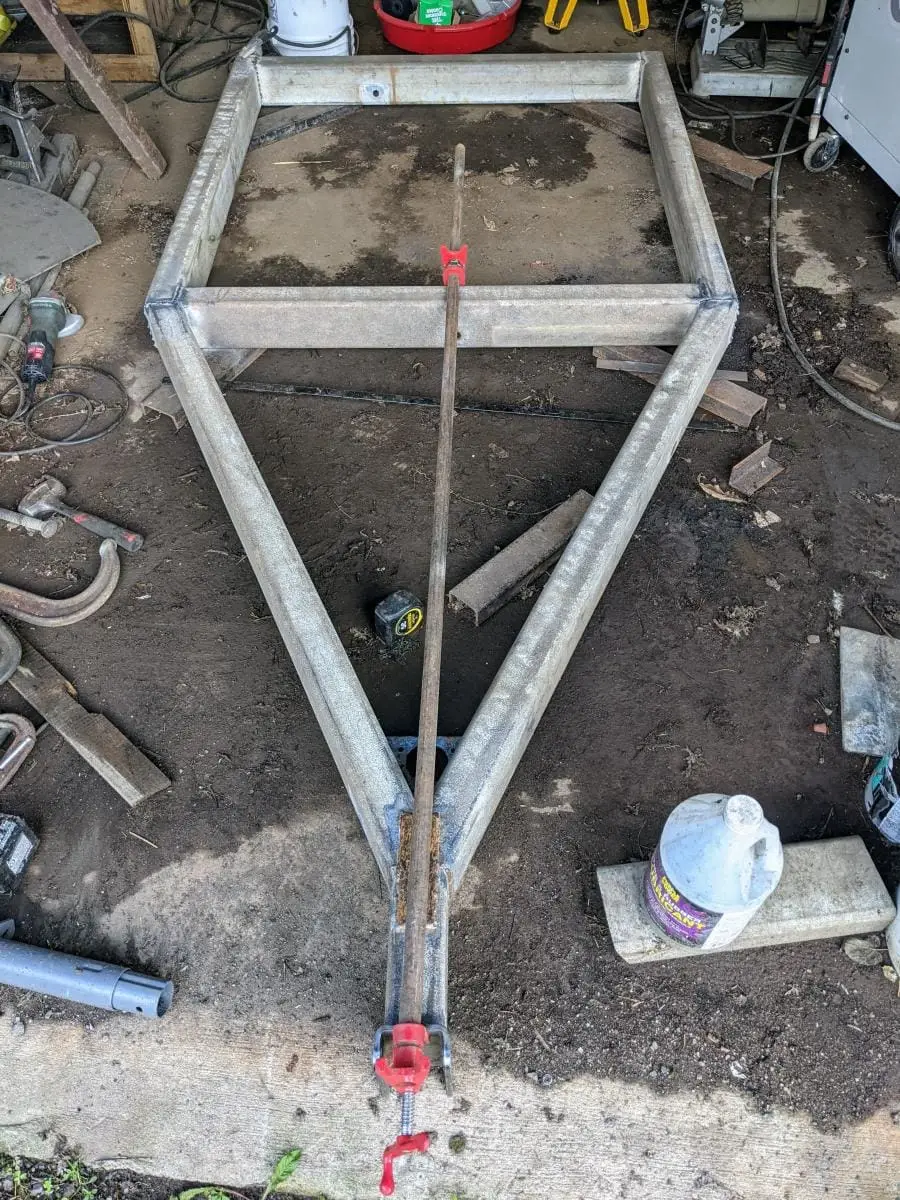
{"x":190,"y":321}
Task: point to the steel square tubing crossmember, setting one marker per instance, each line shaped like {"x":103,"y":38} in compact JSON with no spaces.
{"x":189,"y":320}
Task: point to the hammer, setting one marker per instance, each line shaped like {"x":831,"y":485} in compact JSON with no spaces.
{"x":46,"y":498}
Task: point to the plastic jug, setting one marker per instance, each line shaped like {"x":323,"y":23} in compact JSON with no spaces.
{"x":717,"y":861}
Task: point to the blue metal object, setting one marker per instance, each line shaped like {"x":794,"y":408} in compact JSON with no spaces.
{"x":81,"y":980}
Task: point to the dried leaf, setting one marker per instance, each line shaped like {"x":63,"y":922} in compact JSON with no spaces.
{"x":890,"y":974}
{"x":716,"y":491}
{"x":862,"y":952}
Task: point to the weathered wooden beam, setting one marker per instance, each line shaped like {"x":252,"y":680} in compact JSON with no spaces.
{"x":87,"y":71}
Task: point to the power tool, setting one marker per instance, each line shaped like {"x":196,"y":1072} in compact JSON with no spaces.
{"x":49,"y":320}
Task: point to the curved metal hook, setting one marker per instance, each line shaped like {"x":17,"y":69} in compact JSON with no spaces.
{"x":41,"y":610}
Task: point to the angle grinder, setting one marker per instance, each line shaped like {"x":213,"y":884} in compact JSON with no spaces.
{"x":49,"y":320}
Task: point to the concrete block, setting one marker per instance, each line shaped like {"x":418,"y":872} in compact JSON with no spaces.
{"x":829,"y":889}
{"x":870,"y":692}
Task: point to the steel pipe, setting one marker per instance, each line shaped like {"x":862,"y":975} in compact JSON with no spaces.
{"x":81,"y":980}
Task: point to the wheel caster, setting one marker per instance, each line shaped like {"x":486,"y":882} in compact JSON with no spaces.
{"x":894,"y":242}
{"x":821,"y":154}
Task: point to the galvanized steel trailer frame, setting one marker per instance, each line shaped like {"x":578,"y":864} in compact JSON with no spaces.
{"x":190,"y":321}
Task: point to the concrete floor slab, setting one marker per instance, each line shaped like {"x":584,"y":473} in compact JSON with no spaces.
{"x":202,"y":1098}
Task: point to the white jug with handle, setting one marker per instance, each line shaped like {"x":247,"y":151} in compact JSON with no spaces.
{"x":717,"y":861}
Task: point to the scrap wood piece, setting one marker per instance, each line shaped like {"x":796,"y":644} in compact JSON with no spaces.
{"x":870,"y":692}
{"x":633,"y":367}
{"x":828,"y":889}
{"x":866,"y":378}
{"x":100,"y":744}
{"x":628,"y":124}
{"x":724,"y":399}
{"x":754,"y":471}
{"x":87,"y":71}
{"x":503,"y":576}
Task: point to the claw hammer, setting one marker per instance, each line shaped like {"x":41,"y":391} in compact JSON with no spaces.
{"x":47,"y":498}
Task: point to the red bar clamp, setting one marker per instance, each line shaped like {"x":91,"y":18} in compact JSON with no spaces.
{"x":454,"y":264}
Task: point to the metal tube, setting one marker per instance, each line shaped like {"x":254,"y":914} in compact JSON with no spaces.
{"x":413,"y":317}
{"x":194,"y":239}
{"x":489,"y":752}
{"x":81,"y":980}
{"x":370,"y":772}
{"x":418,"y":876}
{"x":694,"y":235}
{"x":449,"y":79}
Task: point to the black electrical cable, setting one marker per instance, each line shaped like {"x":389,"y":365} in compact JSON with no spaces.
{"x":209,"y":34}
{"x":28,"y":411}
{"x":793,"y":345}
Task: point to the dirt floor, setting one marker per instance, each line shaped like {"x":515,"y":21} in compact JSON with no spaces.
{"x":696,"y":674}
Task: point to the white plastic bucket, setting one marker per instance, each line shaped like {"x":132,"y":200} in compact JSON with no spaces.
{"x":309,"y":28}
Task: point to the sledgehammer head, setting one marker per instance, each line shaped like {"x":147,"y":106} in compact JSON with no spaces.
{"x":44,"y":498}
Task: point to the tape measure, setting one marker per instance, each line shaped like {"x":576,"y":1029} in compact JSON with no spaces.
{"x":398,"y":616}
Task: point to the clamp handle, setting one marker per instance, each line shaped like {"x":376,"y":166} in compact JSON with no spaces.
{"x":415,"y":1143}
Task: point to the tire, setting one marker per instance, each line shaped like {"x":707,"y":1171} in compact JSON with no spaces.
{"x":894,"y":242}
{"x":821,"y":155}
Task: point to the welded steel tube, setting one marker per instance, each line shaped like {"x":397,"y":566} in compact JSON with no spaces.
{"x":82,"y":980}
{"x":489,"y":752}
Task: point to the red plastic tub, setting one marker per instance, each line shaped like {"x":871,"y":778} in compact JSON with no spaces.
{"x":467,"y":38}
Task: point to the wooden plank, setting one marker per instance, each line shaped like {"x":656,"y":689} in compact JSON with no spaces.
{"x":828,"y":889}
{"x":142,"y":40}
{"x":866,"y":378}
{"x":733,"y":403}
{"x":494,"y":584}
{"x":716,"y":159}
{"x":50,"y":68}
{"x":58,"y":31}
{"x":100,"y":744}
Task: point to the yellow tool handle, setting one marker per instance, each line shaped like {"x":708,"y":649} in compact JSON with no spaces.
{"x":550,"y":14}
{"x":643,"y":16}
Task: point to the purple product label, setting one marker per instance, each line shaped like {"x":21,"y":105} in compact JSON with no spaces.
{"x":677,"y":917}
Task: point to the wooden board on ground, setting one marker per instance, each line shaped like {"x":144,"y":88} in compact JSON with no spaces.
{"x":503,"y":576}
{"x":140,"y":67}
{"x":716,"y":159}
{"x":100,"y":744}
{"x":733,"y":403}
{"x":828,"y":889}
{"x":88,"y":72}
